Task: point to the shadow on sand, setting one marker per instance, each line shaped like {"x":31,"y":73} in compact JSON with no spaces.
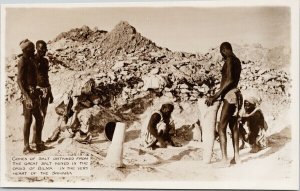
{"x":276,"y":142}
{"x":184,"y":134}
{"x":132,"y":135}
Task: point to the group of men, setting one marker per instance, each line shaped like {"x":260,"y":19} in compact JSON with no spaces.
{"x":228,"y":93}
{"x":160,"y":123}
{"x":34,"y":83}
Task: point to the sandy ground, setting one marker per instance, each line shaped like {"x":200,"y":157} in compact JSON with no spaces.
{"x":174,"y":163}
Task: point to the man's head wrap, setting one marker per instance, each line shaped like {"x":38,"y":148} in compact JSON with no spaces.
{"x":168,"y":105}
{"x":25,"y":43}
{"x":253,"y":100}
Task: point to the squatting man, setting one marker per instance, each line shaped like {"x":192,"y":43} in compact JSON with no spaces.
{"x":159,"y":129}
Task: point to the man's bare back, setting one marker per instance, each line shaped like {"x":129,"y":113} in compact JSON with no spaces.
{"x":233,"y":65}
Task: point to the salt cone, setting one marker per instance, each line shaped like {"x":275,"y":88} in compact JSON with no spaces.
{"x":114,"y":156}
{"x":208,"y":119}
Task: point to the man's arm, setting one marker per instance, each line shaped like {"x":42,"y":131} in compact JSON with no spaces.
{"x":48,"y":83}
{"x":170,"y":126}
{"x":46,"y":71}
{"x":154,"y":120}
{"x":21,"y":78}
{"x":229,"y":81}
{"x":69,"y":106}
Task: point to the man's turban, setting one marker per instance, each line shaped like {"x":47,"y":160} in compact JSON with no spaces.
{"x":25,"y":43}
{"x":253,"y":100}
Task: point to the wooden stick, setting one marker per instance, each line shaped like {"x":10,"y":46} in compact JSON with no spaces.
{"x":92,"y":153}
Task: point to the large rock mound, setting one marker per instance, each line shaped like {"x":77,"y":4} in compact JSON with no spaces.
{"x":82,"y":47}
{"x":127,"y":66}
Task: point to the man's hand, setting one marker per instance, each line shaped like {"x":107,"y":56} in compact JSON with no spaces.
{"x":247,"y":137}
{"x":177,"y":145}
{"x":241,"y":120}
{"x":161,"y":143}
{"x":28,"y":103}
{"x":51,"y":98}
{"x":209,"y":101}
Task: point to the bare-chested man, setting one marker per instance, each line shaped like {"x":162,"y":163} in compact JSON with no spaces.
{"x":43,"y":85}
{"x":27,"y":81}
{"x":157,"y":132}
{"x":232,"y":101}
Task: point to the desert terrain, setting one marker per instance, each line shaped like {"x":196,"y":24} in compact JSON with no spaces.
{"x":136,"y":76}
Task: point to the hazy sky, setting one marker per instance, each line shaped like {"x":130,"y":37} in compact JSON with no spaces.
{"x":179,"y":29}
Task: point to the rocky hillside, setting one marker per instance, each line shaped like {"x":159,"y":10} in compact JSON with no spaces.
{"x":83,"y":47}
{"x":127,"y":66}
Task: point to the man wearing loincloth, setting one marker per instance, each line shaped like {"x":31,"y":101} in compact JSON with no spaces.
{"x":27,"y":82}
{"x":232,"y":101}
{"x":254,"y":119}
{"x":43,"y":85}
{"x":159,"y":128}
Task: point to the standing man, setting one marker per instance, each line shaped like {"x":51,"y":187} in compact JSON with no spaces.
{"x":43,"y":85}
{"x":232,"y":101}
{"x":27,"y":82}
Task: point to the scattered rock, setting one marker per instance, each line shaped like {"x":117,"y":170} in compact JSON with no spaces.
{"x":124,"y":58}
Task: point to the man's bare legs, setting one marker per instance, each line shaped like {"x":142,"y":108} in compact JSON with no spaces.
{"x":28,"y":113}
{"x":43,"y":111}
{"x":226,"y":115}
{"x":235,"y":140}
{"x":26,"y":128}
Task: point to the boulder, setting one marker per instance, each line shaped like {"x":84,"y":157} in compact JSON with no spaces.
{"x":153,"y":82}
{"x":118,"y":65}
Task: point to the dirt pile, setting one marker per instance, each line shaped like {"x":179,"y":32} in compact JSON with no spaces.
{"x":128,"y":67}
{"x":80,"y":48}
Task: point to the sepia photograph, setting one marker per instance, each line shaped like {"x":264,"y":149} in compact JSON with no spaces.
{"x":163,"y":95}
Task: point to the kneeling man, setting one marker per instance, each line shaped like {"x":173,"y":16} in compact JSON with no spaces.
{"x":257,"y":126}
{"x":159,"y":129}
